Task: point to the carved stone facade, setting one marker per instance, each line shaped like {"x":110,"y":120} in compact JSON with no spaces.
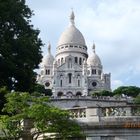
{"x":72,"y":72}
{"x":73,"y":76}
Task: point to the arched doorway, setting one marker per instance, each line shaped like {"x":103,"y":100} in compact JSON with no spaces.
{"x":59,"y":93}
{"x":75,"y":106}
{"x":78,"y":93}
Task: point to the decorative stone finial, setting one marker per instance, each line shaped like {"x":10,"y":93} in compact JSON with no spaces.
{"x":49,"y":48}
{"x":54,"y":62}
{"x":93,"y":47}
{"x":72,"y":17}
{"x":85,"y":62}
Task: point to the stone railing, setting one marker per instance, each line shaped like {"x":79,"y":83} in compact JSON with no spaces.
{"x":105,"y":111}
{"x":113,"y":111}
{"x":120,"y":111}
{"x":135,"y":111}
{"x":78,"y":112}
{"x":105,"y":98}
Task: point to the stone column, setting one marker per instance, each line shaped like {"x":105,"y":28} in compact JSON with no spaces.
{"x":27,"y":125}
{"x":92,"y":113}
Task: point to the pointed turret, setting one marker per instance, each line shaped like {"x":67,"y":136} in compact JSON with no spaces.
{"x":94,"y":60}
{"x":72,"y":17}
{"x":48,"y":59}
{"x":49,"y":48}
{"x":93,"y":47}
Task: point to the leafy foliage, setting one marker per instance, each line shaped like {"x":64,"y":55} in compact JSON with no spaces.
{"x":48,"y":92}
{"x":3,"y":92}
{"x":20,"y":51}
{"x":26,"y":112}
{"x":41,"y":89}
{"x":103,"y":93}
{"x":137,"y":100}
{"x":132,"y":91}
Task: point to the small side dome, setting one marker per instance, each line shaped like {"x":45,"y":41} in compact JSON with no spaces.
{"x":94,"y":60}
{"x":48,"y":59}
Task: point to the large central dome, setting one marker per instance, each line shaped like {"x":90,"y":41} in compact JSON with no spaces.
{"x":71,"y":36}
{"x":71,"y":42}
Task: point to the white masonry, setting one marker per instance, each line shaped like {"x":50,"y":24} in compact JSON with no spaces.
{"x":72,"y":72}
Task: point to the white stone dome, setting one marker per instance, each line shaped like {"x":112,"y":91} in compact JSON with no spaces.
{"x":94,"y":60}
{"x":48,"y":59}
{"x":71,"y":42}
{"x":71,"y":36}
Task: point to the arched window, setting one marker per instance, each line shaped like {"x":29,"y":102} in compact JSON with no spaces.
{"x":78,"y":79}
{"x":61,"y":60}
{"x":76,"y":60}
{"x":60,"y":93}
{"x":80,"y":61}
{"x":78,"y":93}
{"x":93,"y":71}
{"x":69,"y":75}
{"x":69,"y":63}
{"x":47,"y":72}
{"x":78,"y":83}
{"x":61,"y":83}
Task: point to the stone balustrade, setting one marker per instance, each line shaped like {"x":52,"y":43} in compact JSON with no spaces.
{"x":78,"y":113}
{"x":128,"y":99}
{"x":121,"y":111}
{"x":105,"y":111}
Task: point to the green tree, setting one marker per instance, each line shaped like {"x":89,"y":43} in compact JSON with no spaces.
{"x":3,"y":92}
{"x":102,"y":93}
{"x":40,"y":89}
{"x":26,"y":112}
{"x":132,"y":91}
{"x":137,"y":100}
{"x":20,"y":47}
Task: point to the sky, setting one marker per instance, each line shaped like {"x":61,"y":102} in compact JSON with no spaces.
{"x":113,"y":25}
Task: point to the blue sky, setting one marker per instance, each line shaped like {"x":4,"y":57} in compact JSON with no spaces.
{"x":114,"y":26}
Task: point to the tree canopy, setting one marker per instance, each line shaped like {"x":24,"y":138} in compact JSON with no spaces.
{"x":3,"y":92}
{"x":132,"y":91}
{"x":41,"y":89}
{"x":102,"y":93}
{"x":20,"y":47}
{"x":26,"y":113}
{"x":137,"y":100}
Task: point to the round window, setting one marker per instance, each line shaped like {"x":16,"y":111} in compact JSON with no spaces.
{"x":94,"y":84}
{"x":47,"y":84}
